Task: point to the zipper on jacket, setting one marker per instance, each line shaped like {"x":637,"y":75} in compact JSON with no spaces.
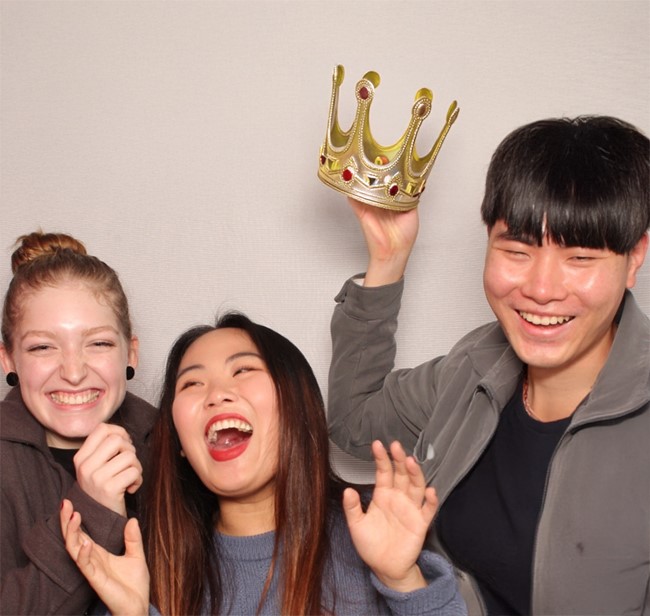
{"x":474,"y":460}
{"x":472,"y":581}
{"x":539,"y":518}
{"x":570,"y":431}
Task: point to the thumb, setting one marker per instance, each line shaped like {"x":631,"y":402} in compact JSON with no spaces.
{"x":134,"y":487}
{"x":352,"y":506}
{"x":133,"y":539}
{"x":430,"y":505}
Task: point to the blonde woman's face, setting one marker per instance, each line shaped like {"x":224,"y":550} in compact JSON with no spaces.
{"x":71,"y":358}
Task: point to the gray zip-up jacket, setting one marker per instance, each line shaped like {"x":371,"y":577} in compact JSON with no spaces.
{"x":592,"y":547}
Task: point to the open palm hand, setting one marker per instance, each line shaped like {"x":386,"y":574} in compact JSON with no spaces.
{"x":389,"y":536}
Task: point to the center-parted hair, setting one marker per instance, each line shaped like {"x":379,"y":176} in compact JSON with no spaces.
{"x":581,"y":182}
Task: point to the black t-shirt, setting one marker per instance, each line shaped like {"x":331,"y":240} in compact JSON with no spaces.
{"x":489,"y":520}
{"x":65,"y":458}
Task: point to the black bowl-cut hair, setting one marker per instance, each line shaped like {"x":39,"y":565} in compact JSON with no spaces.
{"x":580,"y":182}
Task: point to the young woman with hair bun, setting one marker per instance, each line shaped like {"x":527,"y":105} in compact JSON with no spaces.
{"x":69,"y":427}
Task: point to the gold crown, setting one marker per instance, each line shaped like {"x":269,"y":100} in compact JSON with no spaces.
{"x":353,"y":163}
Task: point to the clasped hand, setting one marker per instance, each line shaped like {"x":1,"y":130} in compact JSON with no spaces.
{"x":107,"y":466}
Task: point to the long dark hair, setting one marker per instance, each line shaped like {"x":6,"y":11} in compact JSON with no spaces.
{"x":182,"y":513}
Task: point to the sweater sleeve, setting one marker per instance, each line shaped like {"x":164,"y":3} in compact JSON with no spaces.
{"x":42,"y":578}
{"x":352,"y":588}
{"x":366,"y":401}
{"x":441,"y":597}
{"x":104,"y":525}
{"x":49,"y":581}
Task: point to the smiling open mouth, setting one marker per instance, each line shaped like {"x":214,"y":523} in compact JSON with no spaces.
{"x":72,"y":399}
{"x":227,"y":433}
{"x":536,"y":319}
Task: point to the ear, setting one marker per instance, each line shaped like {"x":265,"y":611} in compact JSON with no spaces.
{"x":134,"y":347}
{"x":636,"y":257}
{"x":5,"y":360}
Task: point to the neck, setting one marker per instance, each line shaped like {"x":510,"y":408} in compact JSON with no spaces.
{"x":58,"y":442}
{"x":551,"y":397}
{"x":555,"y":393}
{"x":246,"y":518}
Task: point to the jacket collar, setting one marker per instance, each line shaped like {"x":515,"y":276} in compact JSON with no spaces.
{"x":622,"y":386}
{"x":18,"y":424}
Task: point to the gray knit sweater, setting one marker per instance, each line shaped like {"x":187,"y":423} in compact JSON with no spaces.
{"x":350,"y":587}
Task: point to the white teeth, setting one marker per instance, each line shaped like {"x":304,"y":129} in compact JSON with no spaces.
{"x":72,"y":399}
{"x":224,"y":424}
{"x":545,"y":320}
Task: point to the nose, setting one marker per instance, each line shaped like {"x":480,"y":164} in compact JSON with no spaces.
{"x":73,"y":367}
{"x":544,"y":280}
{"x":220,"y":394}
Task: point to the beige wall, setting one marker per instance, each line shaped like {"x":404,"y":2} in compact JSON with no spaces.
{"x":179,"y":140}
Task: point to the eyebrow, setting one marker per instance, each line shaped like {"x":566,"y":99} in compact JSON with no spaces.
{"x":87,"y":332}
{"x":229,"y":360}
{"x":98,"y":330}
{"x":511,"y":237}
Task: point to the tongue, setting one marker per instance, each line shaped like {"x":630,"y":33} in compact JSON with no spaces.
{"x":229,"y":438}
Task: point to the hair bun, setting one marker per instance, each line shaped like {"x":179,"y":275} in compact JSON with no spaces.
{"x":39,"y":244}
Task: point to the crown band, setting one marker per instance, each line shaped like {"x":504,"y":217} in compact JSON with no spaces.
{"x":353,"y":163}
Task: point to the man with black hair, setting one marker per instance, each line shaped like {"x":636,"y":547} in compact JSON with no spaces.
{"x":534,"y":429}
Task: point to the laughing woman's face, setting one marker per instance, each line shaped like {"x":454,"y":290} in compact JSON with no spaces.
{"x":225,"y":413}
{"x":71,"y":357}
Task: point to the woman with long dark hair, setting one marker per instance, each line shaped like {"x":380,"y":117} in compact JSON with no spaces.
{"x":245,"y":514}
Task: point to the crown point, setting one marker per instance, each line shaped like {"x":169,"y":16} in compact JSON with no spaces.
{"x":452,"y":113}
{"x":424,"y":93}
{"x":339,"y":74}
{"x":373,"y":78}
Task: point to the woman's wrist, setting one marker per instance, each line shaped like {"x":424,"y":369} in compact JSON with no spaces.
{"x":412,"y":580}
